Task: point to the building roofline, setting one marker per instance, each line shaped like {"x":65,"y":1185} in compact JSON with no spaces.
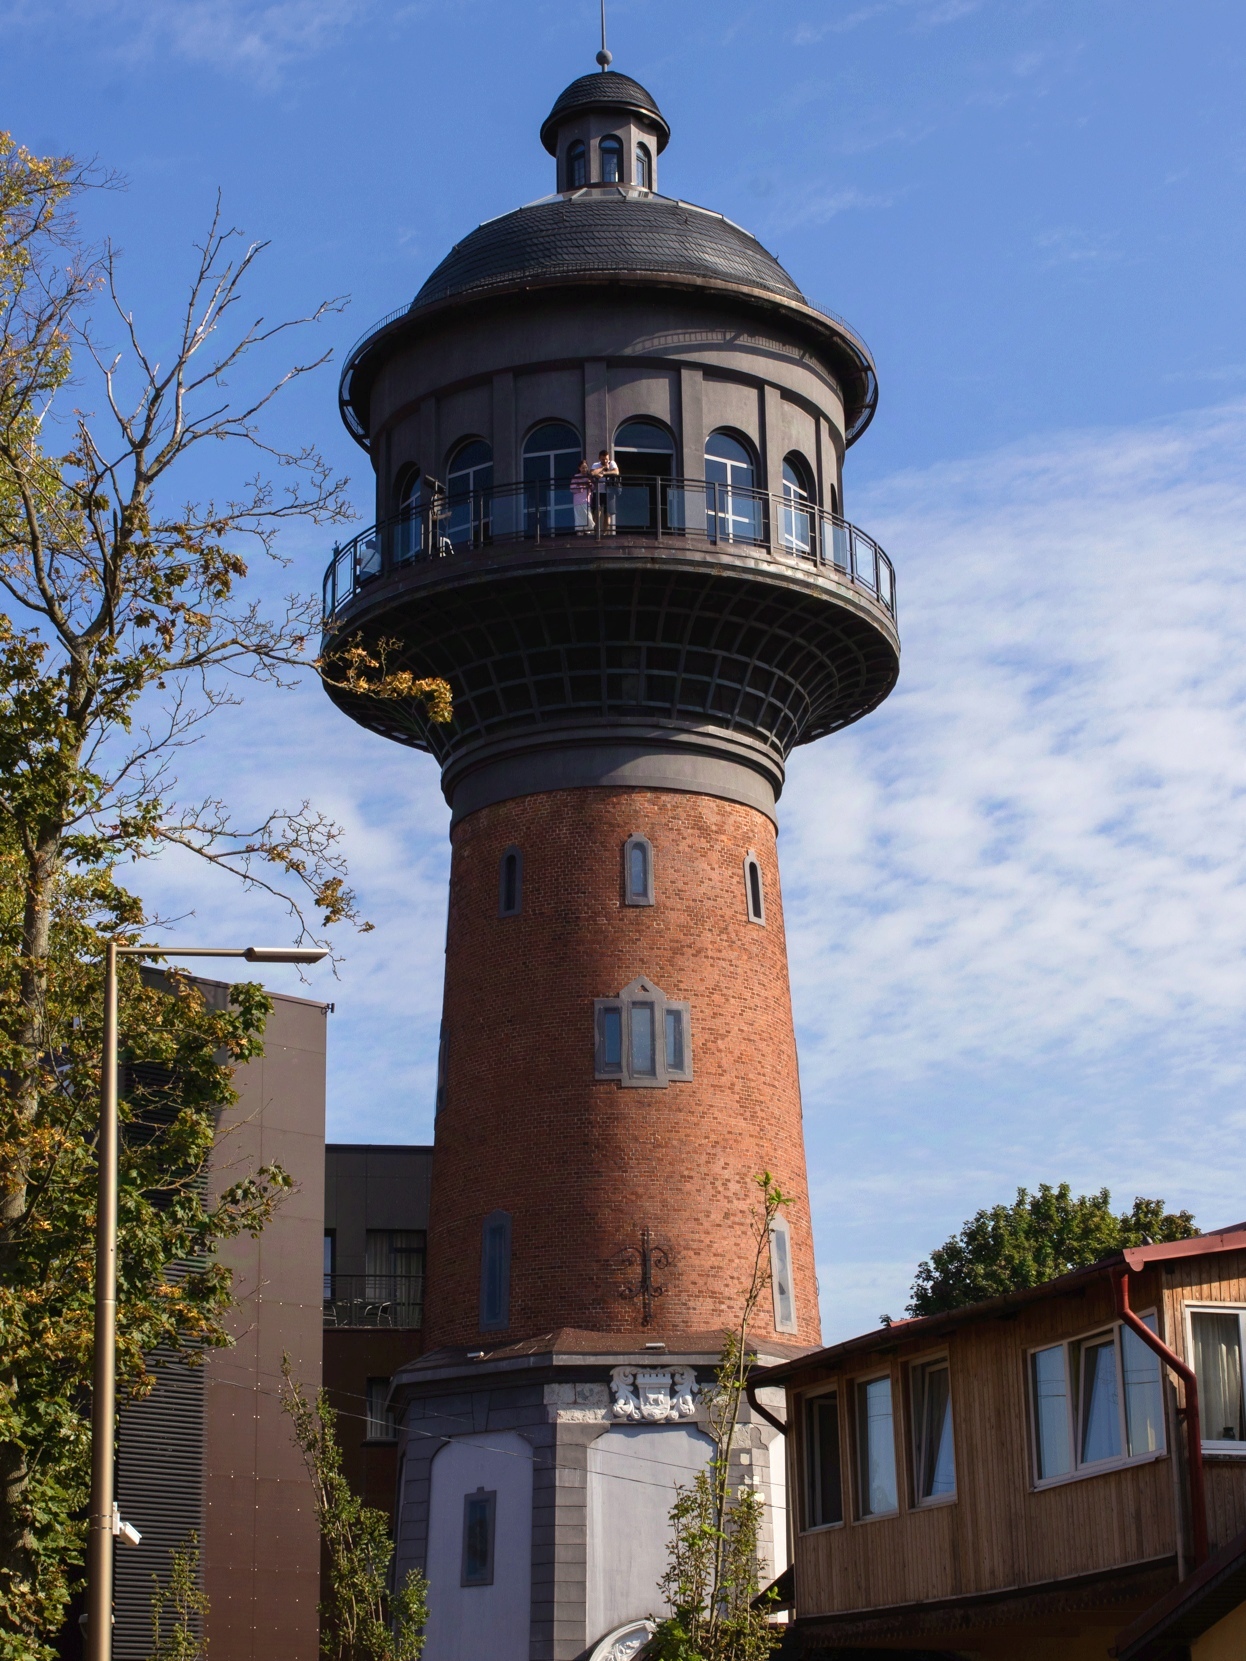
{"x":1135,"y":1258}
{"x":379,"y":1147}
{"x":1193,"y":1606}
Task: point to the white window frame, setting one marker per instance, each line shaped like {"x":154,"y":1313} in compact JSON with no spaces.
{"x":1072,"y":1394}
{"x":807,"y":1400}
{"x":637,"y":841}
{"x":780,"y":1229}
{"x":1230,"y":1450}
{"x":917,"y":1369}
{"x":642,"y":991}
{"x":751,"y":864}
{"x":856,"y":1385}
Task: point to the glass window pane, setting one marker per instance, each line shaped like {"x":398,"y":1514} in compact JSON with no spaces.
{"x":675,"y":1040}
{"x":1100,"y":1436}
{"x":495,"y":1280}
{"x":1051,"y":1412}
{"x":936,"y":1458}
{"x":479,"y":1511}
{"x":638,"y":871}
{"x":1218,"y":1364}
{"x":328,"y":1265}
{"x":1144,"y":1397}
{"x":612,"y":1038}
{"x":876,"y":1441}
{"x":611,"y":161}
{"x":754,"y":888}
{"x":642,"y":1057}
{"x":781,"y":1277}
{"x":824,"y":1497}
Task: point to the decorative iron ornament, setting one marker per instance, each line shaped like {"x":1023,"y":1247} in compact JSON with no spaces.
{"x":646,"y":1258}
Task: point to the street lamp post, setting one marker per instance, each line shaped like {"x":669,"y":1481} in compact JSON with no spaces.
{"x":106,"y":1524}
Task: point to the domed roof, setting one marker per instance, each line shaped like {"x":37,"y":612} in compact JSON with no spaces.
{"x":605,"y":233}
{"x":603,"y":91}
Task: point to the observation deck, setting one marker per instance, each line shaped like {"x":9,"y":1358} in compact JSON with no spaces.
{"x":677,"y":612}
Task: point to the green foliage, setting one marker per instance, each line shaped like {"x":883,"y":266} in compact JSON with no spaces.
{"x":711,"y":1584}
{"x":1038,"y":1237}
{"x":359,"y":1620}
{"x":172,"y":1293}
{"x":179,"y":1609}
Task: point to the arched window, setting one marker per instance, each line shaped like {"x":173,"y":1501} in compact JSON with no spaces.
{"x":798,"y":497}
{"x":577,"y":166}
{"x":468,"y":509}
{"x":551,"y":454}
{"x":781,"y":1276}
{"x":732,"y":509}
{"x":754,"y":897}
{"x":645,"y":448}
{"x":644,"y":167}
{"x":611,"y":152}
{"x":638,"y":871}
{"x":510,"y":883}
{"x":495,"y":1272}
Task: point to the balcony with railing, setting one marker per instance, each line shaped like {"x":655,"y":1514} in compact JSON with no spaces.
{"x":663,"y":511}
{"x":373,"y":1300}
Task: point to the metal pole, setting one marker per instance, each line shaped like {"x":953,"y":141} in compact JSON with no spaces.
{"x":104,"y":1392}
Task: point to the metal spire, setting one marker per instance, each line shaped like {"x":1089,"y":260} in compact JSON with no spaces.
{"x":604,"y":57}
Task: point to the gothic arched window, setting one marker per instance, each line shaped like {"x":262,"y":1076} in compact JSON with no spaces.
{"x":611,"y":152}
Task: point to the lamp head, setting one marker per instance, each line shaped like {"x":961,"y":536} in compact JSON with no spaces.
{"x":285,"y":954}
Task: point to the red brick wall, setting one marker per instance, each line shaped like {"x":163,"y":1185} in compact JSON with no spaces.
{"x":583,"y":1165}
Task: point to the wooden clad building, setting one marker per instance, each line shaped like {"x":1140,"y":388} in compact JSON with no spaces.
{"x":1014,"y":1479}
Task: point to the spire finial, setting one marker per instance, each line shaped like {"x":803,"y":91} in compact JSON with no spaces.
{"x":604,"y":57}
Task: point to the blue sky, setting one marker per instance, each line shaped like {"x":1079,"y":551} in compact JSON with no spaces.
{"x":1016,"y":896}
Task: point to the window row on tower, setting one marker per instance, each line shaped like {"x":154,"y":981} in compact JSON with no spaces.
{"x":638,"y":880}
{"x":553,"y":452}
{"x":578,"y":172}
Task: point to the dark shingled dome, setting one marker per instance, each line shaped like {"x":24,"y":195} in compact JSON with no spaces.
{"x":605,"y":234}
{"x":606,"y":91}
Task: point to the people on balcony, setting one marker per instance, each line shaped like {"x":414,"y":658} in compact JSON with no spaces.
{"x":582,"y":487}
{"x":606,"y":474}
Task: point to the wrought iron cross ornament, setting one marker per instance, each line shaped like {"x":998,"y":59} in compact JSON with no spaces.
{"x":646,"y":1257}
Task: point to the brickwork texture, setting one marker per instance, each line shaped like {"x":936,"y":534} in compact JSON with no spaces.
{"x":583,"y":1165}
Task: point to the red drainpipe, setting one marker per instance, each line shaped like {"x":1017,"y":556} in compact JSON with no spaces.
{"x":1193,"y":1427}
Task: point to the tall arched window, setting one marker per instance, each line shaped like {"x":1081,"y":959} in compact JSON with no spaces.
{"x":551,"y":454}
{"x":643,"y":447}
{"x":644,"y":167}
{"x":408,"y":500}
{"x":611,"y":152}
{"x":495,"y":1272}
{"x":638,"y":871}
{"x":732,"y":509}
{"x":577,"y":166}
{"x":469,"y":493}
{"x":798,"y":497}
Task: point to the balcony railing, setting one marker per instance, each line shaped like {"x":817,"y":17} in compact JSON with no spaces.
{"x":655,"y":509}
{"x":374,"y":1300}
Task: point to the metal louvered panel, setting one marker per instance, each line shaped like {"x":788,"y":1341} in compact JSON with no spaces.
{"x":160,"y":1491}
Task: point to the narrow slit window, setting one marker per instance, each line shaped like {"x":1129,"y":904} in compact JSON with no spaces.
{"x":609,"y":1039}
{"x":479,"y":1530}
{"x":638,"y":871}
{"x":380,"y":1419}
{"x":754,"y":897}
{"x":495,"y":1272}
{"x":933,"y":1452}
{"x":510,"y":883}
{"x":781,"y":1276}
{"x":442,"y":1045}
{"x":824,"y":1500}
{"x":674,"y":1040}
{"x":643,"y":1060}
{"x":876,"y":1448}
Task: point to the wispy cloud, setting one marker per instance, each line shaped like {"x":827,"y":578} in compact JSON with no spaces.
{"x":1069,"y":245}
{"x":925,"y":14}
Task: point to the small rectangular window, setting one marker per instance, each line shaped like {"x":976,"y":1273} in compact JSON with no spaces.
{"x":643,"y":1059}
{"x":1051,"y":1412}
{"x":674,"y":1040}
{"x":330,"y":1254}
{"x":609,"y":1040}
{"x":781,"y":1276}
{"x":495,"y":1272}
{"x":824,"y":1501}
{"x":1217,"y":1346}
{"x":380,"y":1417}
{"x":479,"y":1528}
{"x":876,"y":1448}
{"x":934,"y":1456}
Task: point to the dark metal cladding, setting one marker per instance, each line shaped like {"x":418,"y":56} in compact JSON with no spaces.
{"x":606,"y":233}
{"x":603,"y":91}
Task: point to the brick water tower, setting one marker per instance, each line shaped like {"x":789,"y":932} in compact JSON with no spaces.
{"x":632,"y":658}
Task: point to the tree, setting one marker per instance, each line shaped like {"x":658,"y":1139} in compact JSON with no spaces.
{"x":179,"y":1608}
{"x":1038,"y":1237}
{"x":359,"y":1619}
{"x":129,"y":620}
{"x":711,"y":1584}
